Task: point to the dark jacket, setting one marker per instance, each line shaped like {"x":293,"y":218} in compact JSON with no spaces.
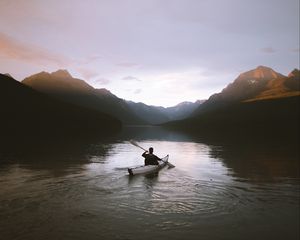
{"x":150,"y":159}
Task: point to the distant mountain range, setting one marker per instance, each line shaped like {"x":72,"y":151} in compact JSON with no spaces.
{"x":158,"y":115}
{"x":258,"y":100}
{"x":27,"y":112}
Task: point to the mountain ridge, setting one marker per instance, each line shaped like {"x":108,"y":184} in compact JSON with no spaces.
{"x":159,"y":114}
{"x":247,"y":86}
{"x":254,"y":85}
{"x":62,"y":85}
{"x":270,"y":107}
{"x":27,"y":112}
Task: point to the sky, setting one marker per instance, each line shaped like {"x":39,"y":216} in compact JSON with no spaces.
{"x":160,"y":52}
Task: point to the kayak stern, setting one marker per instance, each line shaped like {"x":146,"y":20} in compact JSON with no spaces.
{"x":130,"y":171}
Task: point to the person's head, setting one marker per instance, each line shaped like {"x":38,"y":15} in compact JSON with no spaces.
{"x":151,"y":150}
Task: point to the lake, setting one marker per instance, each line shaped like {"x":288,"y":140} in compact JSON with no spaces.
{"x":221,"y":188}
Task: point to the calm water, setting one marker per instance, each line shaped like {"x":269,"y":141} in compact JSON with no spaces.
{"x":81,"y":190}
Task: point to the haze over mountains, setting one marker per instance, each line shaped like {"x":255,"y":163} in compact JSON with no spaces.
{"x":158,"y":115}
{"x":62,"y":85}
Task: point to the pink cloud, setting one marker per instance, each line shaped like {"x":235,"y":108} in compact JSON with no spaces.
{"x":130,"y":78}
{"x":137,"y":91}
{"x":102,"y":81}
{"x":268,"y":50}
{"x":16,"y":50}
{"x":92,"y":59}
{"x":87,"y":74}
{"x":296,"y":50}
{"x":127,"y":64}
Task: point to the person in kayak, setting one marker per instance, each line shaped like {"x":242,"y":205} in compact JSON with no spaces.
{"x":150,"y":158}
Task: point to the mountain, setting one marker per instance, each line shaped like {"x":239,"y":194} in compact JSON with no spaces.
{"x":158,"y":115}
{"x":150,"y":114}
{"x":57,"y":83}
{"x":258,"y":101}
{"x":62,"y":85}
{"x":183,"y":110}
{"x":261,"y":81}
{"x":280,"y":87}
{"x":27,"y":112}
{"x":8,"y":75}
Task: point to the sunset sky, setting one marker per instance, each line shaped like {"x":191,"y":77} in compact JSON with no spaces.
{"x":160,"y":52}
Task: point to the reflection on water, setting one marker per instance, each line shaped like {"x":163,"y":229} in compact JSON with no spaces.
{"x":223,"y":189}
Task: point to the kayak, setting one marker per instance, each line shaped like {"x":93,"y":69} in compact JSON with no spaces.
{"x":149,"y":168}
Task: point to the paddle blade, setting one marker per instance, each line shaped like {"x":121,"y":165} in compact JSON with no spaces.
{"x":170,"y":165}
{"x":135,"y":144}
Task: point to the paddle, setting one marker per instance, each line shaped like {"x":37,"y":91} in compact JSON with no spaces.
{"x":135,"y":144}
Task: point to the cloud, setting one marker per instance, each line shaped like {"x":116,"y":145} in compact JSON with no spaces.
{"x":102,"y":81}
{"x":127,"y":64}
{"x":137,"y":91}
{"x":131,"y":78}
{"x":268,"y":50}
{"x":91,"y":59}
{"x":16,"y":50}
{"x":87,"y":73}
{"x":296,"y":50}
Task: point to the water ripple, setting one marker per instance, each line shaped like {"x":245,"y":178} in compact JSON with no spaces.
{"x":206,"y":198}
